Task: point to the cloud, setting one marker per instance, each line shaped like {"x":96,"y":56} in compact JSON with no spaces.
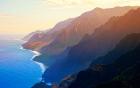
{"x":68,"y":2}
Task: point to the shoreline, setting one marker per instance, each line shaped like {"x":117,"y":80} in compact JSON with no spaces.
{"x":43,"y":68}
{"x":41,"y":65}
{"x":35,"y":54}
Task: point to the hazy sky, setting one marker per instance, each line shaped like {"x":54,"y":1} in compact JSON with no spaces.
{"x":25,"y":16}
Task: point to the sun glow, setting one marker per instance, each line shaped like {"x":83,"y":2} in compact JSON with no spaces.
{"x":25,"y":16}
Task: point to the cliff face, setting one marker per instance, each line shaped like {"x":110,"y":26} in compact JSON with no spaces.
{"x":102,"y":41}
{"x":107,"y":36}
{"x":73,"y":44}
{"x":122,"y":73}
{"x":130,"y":42}
{"x":70,"y":32}
{"x":44,"y":38}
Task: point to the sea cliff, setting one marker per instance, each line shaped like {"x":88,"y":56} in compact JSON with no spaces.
{"x":71,"y":49}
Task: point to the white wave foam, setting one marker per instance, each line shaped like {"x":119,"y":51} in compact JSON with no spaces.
{"x":35,"y":55}
{"x":42,"y":66}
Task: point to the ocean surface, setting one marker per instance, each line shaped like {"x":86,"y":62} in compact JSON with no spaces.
{"x":17,"y":70}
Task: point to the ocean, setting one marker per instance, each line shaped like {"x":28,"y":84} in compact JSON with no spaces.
{"x":17,"y":69}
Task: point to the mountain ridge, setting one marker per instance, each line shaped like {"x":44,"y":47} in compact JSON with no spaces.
{"x":74,"y":30}
{"x":81,"y":55}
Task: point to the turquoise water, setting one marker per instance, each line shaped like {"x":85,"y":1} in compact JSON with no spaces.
{"x":17,"y":70}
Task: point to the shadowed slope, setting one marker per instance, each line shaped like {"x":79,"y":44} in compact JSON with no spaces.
{"x":124,"y":70}
{"x":103,"y":40}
